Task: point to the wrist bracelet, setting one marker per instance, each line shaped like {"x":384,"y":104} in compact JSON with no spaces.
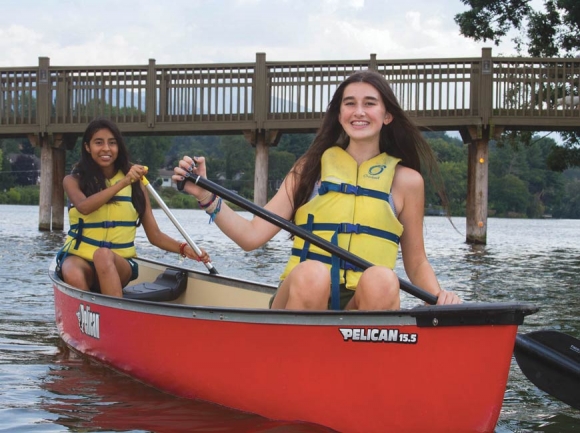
{"x":214,"y":210}
{"x":182,"y":249}
{"x":208,"y":204}
{"x":201,"y":200}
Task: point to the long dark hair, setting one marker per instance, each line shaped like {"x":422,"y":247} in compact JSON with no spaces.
{"x":400,"y":138}
{"x":90,"y":175}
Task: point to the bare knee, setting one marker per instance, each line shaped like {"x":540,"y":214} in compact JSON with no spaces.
{"x":377,"y":289}
{"x":308,"y":286}
{"x":103,"y":258}
{"x":77,"y":272}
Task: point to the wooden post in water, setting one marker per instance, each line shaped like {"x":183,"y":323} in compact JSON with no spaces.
{"x":46,"y":182}
{"x":477,"y":186}
{"x":58,"y":161}
{"x":61,"y":143}
{"x":261,"y":170}
{"x":262,"y":140}
{"x":478,"y":137}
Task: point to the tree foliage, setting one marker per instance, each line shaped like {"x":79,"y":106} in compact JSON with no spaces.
{"x":553,"y":31}
{"x":550,"y":31}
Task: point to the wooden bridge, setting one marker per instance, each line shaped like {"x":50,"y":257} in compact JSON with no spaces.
{"x":479,"y":97}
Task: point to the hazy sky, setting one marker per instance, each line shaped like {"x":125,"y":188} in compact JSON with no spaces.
{"x":121,"y":32}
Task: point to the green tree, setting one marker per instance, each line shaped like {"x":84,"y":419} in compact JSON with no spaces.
{"x":509,"y":195}
{"x":279,"y":164}
{"x":296,"y":144}
{"x":550,"y":31}
{"x":569,"y":206}
{"x":149,"y":151}
{"x":454,"y":176}
{"x":25,"y":170}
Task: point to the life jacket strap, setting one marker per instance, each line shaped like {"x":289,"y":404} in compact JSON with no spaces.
{"x":347,"y":188}
{"x":353,"y":229}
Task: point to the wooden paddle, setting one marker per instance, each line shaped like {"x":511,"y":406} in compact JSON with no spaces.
{"x":549,"y":359}
{"x":208,"y":265}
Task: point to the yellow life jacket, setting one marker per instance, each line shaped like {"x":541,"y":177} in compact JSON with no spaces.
{"x":113,"y":226}
{"x":352,"y":209}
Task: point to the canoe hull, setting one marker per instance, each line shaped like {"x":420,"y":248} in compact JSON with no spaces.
{"x":351,"y":372}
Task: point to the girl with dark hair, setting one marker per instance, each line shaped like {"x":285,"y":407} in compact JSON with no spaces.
{"x":108,"y":203}
{"x":358,"y":185}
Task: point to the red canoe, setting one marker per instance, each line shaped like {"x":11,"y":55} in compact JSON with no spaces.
{"x":210,"y":337}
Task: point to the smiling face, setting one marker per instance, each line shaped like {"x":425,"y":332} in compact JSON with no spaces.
{"x":363,"y":113}
{"x":104,"y":150}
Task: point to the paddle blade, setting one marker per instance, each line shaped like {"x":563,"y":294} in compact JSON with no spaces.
{"x":551,"y":361}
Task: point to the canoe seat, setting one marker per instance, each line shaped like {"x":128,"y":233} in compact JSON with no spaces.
{"x":167,"y":287}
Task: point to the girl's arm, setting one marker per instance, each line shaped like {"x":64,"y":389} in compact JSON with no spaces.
{"x":248,"y":234}
{"x":160,"y":239}
{"x":408,"y":188}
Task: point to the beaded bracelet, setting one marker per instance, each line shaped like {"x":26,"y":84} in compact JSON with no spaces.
{"x":214,"y":210}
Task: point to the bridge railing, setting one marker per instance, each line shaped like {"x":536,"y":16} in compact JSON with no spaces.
{"x":438,"y":93}
{"x":530,"y":89}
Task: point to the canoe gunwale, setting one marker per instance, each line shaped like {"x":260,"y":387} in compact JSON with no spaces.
{"x":475,"y":314}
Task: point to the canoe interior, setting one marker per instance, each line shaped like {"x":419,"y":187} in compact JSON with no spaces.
{"x":208,"y":290}
{"x":227,"y":294}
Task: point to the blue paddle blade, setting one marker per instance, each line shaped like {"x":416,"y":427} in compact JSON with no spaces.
{"x":551,"y":361}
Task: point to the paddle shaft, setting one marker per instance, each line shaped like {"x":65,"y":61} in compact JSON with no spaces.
{"x":188,"y":239}
{"x":302,"y":233}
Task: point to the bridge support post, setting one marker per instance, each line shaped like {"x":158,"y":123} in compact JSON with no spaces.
{"x":477,"y":180}
{"x":477,"y":184}
{"x":46,"y":182}
{"x":52,"y":165}
{"x":261,"y":140}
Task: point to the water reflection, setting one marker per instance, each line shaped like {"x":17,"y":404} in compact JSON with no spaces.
{"x":88,"y":396}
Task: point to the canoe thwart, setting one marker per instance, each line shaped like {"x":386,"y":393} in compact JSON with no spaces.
{"x":168,"y":286}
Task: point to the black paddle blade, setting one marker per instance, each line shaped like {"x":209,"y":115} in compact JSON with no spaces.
{"x":551,"y":361}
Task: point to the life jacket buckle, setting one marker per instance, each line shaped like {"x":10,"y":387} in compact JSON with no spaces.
{"x":347,"y":188}
{"x":349,"y":228}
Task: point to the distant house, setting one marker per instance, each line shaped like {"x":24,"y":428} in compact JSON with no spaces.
{"x":165,"y":176}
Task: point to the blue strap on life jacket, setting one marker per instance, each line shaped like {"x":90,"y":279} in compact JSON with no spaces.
{"x":121,"y":198}
{"x":344,"y":265}
{"x":347,"y":188}
{"x":335,"y":263}
{"x":354,"y":229}
{"x":76,"y":232}
{"x":306,"y":247}
{"x":335,"y":277}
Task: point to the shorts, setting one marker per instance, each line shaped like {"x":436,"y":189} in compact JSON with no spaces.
{"x":345,"y":296}
{"x":61,"y":257}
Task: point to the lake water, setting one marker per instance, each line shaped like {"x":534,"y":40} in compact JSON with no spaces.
{"x":45,"y":388}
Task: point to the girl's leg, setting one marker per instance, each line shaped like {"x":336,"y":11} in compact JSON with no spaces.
{"x":307,"y":287}
{"x":113,"y":272}
{"x":77,"y":272}
{"x":377,"y":289}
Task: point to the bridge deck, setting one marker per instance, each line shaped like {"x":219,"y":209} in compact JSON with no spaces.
{"x":440,"y":94}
